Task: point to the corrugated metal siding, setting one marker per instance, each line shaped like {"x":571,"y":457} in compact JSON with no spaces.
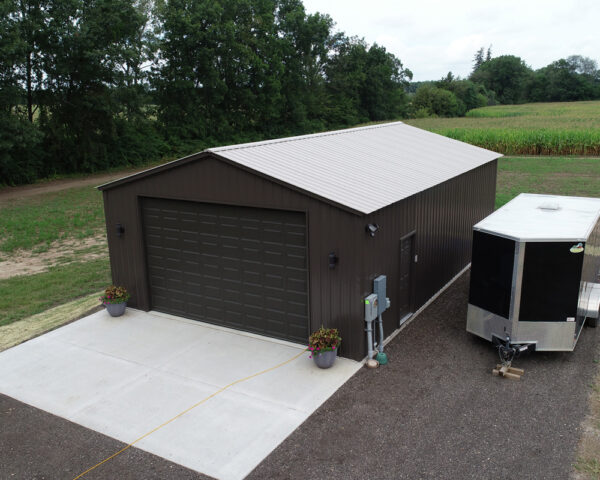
{"x":365,"y":168}
{"x":445,"y":216}
{"x":442,"y":218}
{"x":381,"y":255}
{"x":333,"y":293}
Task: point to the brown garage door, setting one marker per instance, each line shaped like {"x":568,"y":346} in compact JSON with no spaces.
{"x":239,"y":267}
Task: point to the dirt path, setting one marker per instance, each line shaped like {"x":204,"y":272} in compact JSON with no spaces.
{"x":12,"y":193}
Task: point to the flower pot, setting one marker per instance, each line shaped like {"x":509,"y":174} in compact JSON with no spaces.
{"x":116,"y":309}
{"x":325,"y":359}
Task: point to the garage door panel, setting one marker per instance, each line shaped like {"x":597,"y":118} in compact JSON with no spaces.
{"x":274,"y":281}
{"x":234,"y":266}
{"x":296,"y":285}
{"x":295,"y":262}
{"x":250,"y":277}
{"x":296,"y":308}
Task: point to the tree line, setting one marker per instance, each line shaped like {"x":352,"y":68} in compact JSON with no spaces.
{"x":506,"y":79}
{"x":87,"y":85}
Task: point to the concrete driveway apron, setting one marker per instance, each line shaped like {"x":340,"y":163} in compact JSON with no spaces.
{"x":124,"y":376}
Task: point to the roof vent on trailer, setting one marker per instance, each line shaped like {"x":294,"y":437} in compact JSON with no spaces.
{"x":549,"y":206}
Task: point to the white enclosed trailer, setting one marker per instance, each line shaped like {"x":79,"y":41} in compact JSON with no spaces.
{"x":535,"y":272}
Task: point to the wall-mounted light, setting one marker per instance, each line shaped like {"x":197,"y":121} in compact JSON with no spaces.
{"x":120,"y":230}
{"x":333,"y":260}
{"x":371,"y":229}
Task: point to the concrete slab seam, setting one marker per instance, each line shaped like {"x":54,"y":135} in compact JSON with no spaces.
{"x":204,"y":400}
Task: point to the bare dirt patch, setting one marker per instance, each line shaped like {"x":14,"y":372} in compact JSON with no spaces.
{"x":63,"y":252}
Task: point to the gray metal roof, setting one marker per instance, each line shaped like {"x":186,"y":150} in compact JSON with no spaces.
{"x":365,"y":168}
{"x":361,"y":169}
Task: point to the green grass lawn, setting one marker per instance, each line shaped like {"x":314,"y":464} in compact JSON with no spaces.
{"x":37,"y":221}
{"x":552,"y":175}
{"x":27,"y":295}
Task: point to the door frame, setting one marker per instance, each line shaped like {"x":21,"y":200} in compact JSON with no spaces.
{"x":411,"y":272}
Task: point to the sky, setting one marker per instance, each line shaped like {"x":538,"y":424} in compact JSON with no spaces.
{"x":432,"y":38}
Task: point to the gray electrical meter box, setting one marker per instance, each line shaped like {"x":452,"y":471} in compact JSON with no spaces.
{"x":379,"y":287}
{"x":371,"y":307}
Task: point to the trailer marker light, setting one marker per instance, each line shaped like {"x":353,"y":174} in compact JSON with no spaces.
{"x":577,"y":248}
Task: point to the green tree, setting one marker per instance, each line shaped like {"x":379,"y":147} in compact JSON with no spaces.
{"x":488,"y":55}
{"x":584,"y":66}
{"x":364,"y":83}
{"x":431,"y":100}
{"x":346,"y":76}
{"x":478,"y":59}
{"x":506,"y":75}
{"x":31,"y":17}
{"x":305,"y":42}
{"x":87,"y":45}
{"x":11,"y":49}
{"x":383,"y":94}
{"x":469,"y":94}
{"x":21,"y":156}
{"x":560,"y":82}
{"x":228,"y":69}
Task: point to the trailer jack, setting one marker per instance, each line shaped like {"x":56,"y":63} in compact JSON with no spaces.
{"x":507,"y":353}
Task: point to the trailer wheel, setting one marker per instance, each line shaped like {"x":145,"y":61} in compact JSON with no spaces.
{"x":591,"y":322}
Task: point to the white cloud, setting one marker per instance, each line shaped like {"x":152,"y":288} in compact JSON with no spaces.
{"x":433,"y":37}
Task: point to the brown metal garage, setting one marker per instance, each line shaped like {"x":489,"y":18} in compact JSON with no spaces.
{"x":270,"y":237}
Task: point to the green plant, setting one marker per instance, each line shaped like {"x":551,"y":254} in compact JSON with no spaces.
{"x":115,"y":295}
{"x":324,"y":340}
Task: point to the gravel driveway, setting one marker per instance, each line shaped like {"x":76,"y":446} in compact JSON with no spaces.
{"x":433,"y":412}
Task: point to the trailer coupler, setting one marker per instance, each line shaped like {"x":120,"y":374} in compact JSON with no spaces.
{"x":507,"y":352}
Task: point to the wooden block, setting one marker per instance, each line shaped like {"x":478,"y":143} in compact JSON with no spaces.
{"x":518,"y":371}
{"x":512,"y":376}
{"x":495,"y":372}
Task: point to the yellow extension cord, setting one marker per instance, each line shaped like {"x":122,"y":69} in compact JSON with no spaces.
{"x":187,"y":410}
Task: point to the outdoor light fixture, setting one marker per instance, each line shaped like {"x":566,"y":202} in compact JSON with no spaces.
{"x":120,"y":230}
{"x":333,"y":260}
{"x":372,"y":228}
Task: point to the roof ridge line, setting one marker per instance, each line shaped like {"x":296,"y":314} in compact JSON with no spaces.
{"x":261,"y":143}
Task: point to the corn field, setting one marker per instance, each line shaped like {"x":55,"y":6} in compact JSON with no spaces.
{"x":566,"y":128}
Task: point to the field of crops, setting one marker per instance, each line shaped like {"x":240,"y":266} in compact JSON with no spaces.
{"x":566,"y":128}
